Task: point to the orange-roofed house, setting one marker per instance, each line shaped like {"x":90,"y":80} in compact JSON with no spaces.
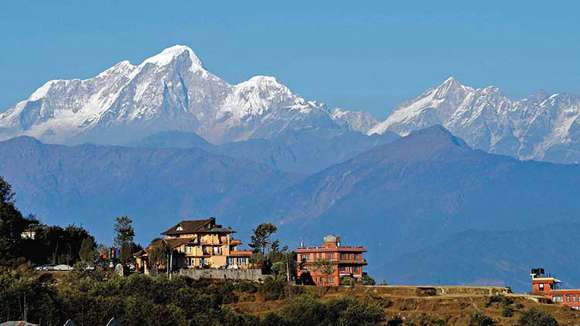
{"x":198,"y":244}
{"x":325,"y":265}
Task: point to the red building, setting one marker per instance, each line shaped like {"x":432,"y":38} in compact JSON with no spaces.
{"x":548,"y":286}
{"x":327,"y":264}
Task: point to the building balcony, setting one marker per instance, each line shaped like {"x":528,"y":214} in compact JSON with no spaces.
{"x":331,"y":249}
{"x":241,"y":253}
{"x":339,"y":261}
{"x":353,"y":261}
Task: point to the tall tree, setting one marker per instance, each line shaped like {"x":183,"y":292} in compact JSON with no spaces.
{"x":88,"y":253}
{"x":158,"y":254}
{"x":57,"y":245}
{"x":261,"y":240}
{"x":11,"y":225}
{"x":124,"y":232}
{"x":124,"y":235}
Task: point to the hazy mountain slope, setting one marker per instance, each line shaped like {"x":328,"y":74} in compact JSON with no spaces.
{"x":354,"y":120}
{"x":495,"y":257}
{"x":418,"y":190}
{"x":541,"y":127}
{"x":167,"y":92}
{"x":90,"y":185}
{"x":304,"y":151}
{"x":174,"y":139}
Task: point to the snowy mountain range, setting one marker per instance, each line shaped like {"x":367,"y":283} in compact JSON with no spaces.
{"x":540,"y":127}
{"x":169,"y":91}
{"x":172,"y":91}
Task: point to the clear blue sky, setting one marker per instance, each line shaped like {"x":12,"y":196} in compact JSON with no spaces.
{"x":368,"y":55}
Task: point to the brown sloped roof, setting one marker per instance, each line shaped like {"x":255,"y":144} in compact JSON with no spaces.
{"x":197,"y":226}
{"x":171,"y":243}
{"x":174,"y":243}
{"x":189,"y":226}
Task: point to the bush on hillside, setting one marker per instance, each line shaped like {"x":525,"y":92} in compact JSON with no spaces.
{"x":367,"y":280}
{"x":480,"y":319}
{"x":535,"y":317}
{"x":425,"y":320}
{"x":306,"y":310}
{"x":273,"y":289}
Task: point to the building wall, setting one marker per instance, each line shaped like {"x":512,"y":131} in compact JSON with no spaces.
{"x":215,"y":248}
{"x":546,"y":287}
{"x":346,"y":261}
{"x":224,"y":274}
{"x":570,"y":298}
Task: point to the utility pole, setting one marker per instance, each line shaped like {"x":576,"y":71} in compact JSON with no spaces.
{"x":170,"y":263}
{"x":25,"y":314}
{"x":288,"y":268}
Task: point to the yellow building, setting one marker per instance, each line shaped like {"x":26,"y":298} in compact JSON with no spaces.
{"x":197,"y":244}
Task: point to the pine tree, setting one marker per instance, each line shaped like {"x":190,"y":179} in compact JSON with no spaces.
{"x":87,"y":253}
{"x":261,"y":239}
{"x":124,"y":235}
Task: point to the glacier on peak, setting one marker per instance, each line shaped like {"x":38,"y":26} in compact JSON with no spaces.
{"x":168,"y":91}
{"x":169,"y":54}
{"x":540,"y":127}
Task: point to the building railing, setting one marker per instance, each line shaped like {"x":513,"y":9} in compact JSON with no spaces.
{"x":332,"y":248}
{"x":338,"y":261}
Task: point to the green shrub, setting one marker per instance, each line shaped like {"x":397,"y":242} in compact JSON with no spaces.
{"x":360,"y":313}
{"x":425,"y":320}
{"x":346,"y":280}
{"x":480,"y":319}
{"x":367,"y":280}
{"x":499,"y":299}
{"x":306,"y":310}
{"x":246,"y":287}
{"x":273,"y":289}
{"x":507,"y":311}
{"x":535,"y":317}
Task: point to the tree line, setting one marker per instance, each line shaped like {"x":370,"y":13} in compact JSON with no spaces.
{"x":23,"y":239}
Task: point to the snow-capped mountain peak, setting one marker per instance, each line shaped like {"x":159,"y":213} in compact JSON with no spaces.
{"x":170,"y":54}
{"x":449,"y":85}
{"x":263,"y":84}
{"x":260,"y":95}
{"x":169,"y":91}
{"x":540,"y":127}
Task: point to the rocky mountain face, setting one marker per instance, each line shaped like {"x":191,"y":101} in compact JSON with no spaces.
{"x":540,"y":127}
{"x":170,"y":91}
{"x":354,"y":120}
